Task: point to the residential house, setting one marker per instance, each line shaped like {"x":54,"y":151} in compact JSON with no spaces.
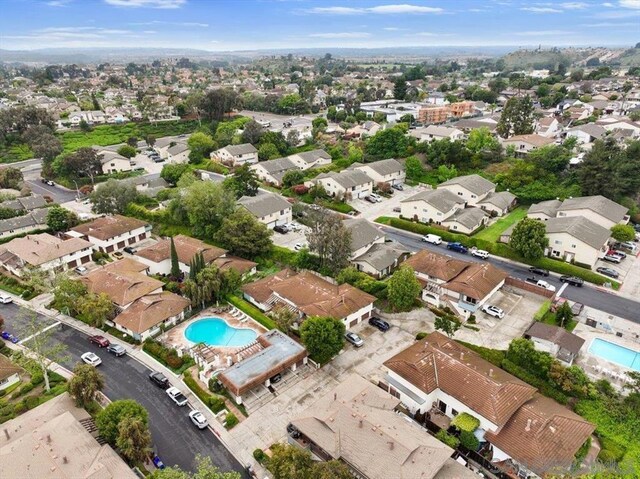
{"x":273,"y":171}
{"x":466,"y":221}
{"x":25,"y":203}
{"x":431,"y":206}
{"x":268,"y":208}
{"x":347,"y":184}
{"x":363,"y":130}
{"x":54,"y":441}
{"x":524,"y":431}
{"x":576,"y":239}
{"x":548,"y":126}
{"x":236,"y":155}
{"x":523,"y":144}
{"x":146,"y":185}
{"x":162,"y":145}
{"x":276,"y":353}
{"x":597,"y":208}
{"x":612,"y":124}
{"x":178,"y":153}
{"x":498,"y":204}
{"x":310,"y":159}
{"x":433,"y":114}
{"x":587,"y":133}
{"x":370,"y":252}
{"x":158,"y":256}
{"x":112,"y":233}
{"x":469,"y":124}
{"x":471,"y":188}
{"x":357,"y":423}
{"x":461,"y":108}
{"x":544,"y":210}
{"x":44,"y":251}
{"x":557,"y":341}
{"x":308,"y":294}
{"x":388,"y":171}
{"x":148,"y":315}
{"x":447,"y":281}
{"x":9,"y":373}
{"x":33,"y":221}
{"x":112,"y":162}
{"x":436,"y":132}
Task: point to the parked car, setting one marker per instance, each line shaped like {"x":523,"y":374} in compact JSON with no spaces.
{"x":433,"y":239}
{"x":370,"y":199}
{"x":129,"y":250}
{"x":157,"y":462}
{"x":572,"y":280}
{"x":612,"y":258}
{"x":118,"y":255}
{"x":397,"y":209}
{"x":614,"y":252}
{"x":493,"y":311}
{"x":381,"y":324}
{"x":628,"y":245}
{"x":116,"y":350}
{"x":377,"y":198}
{"x":299,"y":246}
{"x":92,"y":359}
{"x":354,"y":339}
{"x":293,"y":431}
{"x":282,"y":229}
{"x":99,"y":340}
{"x":540,"y":271}
{"x":479,"y":253}
{"x":198,"y":419}
{"x":80,"y":270}
{"x":159,"y":379}
{"x":397,"y":186}
{"x":541,"y":283}
{"x":612,"y":273}
{"x":275,"y":379}
{"x":48,"y":182}
{"x":5,"y":298}
{"x":176,"y":396}
{"x":458,"y":247}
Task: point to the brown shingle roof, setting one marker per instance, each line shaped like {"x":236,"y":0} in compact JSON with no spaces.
{"x":186,"y":247}
{"x":109,"y":227}
{"x":241,"y":265}
{"x":436,"y":265}
{"x":533,"y":139}
{"x":151,"y":310}
{"x":126,"y":265}
{"x":477,"y":280}
{"x":7,"y":368}
{"x":542,"y":435}
{"x":556,"y":335}
{"x":42,"y":248}
{"x":440,"y":362}
{"x":261,"y":290}
{"x":122,"y":287}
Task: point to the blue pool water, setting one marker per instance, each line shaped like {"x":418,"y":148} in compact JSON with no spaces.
{"x":615,"y":353}
{"x":216,"y":332}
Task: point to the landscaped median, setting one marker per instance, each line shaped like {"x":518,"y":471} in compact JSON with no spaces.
{"x":498,"y":249}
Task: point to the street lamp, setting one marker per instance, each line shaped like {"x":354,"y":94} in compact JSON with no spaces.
{"x":77,"y":189}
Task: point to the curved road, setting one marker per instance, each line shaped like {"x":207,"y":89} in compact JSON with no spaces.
{"x":587,"y":295}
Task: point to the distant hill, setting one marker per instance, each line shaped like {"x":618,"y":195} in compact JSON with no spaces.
{"x":542,"y":59}
{"x":628,"y":58}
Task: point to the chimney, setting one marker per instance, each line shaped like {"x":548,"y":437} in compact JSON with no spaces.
{"x":528,"y":428}
{"x":491,"y":372}
{"x":335,"y":396}
{"x":390,"y":445}
{"x":360,"y":423}
{"x":462,"y":355}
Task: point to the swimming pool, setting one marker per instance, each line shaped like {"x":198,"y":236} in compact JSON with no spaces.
{"x":615,"y":353}
{"x":216,"y":332}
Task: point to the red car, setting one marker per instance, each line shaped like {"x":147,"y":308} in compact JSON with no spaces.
{"x":99,"y":340}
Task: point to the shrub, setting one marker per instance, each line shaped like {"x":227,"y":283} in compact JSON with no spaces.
{"x":469,"y":440}
{"x":544,"y":387}
{"x":2,"y":392}
{"x":300,"y":190}
{"x":252,"y":311}
{"x":421,"y":335}
{"x":447,"y":438}
{"x":216,"y":404}
{"x":611,"y":451}
{"x":20,"y":408}
{"x":466,"y":422}
{"x":32,"y":402}
{"x":27,"y":388}
{"x":259,"y":455}
{"x":230,"y":421}
{"x":36,"y":379}
{"x":472,"y":319}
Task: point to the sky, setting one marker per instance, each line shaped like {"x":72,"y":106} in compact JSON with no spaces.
{"x":227,"y":25}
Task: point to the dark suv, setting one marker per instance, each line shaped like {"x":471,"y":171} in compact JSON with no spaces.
{"x":381,"y":324}
{"x":159,"y":379}
{"x":282,"y":229}
{"x":572,"y":280}
{"x":540,"y":271}
{"x":460,"y":248}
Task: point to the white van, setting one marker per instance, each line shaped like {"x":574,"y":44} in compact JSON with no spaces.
{"x":433,"y":239}
{"x":5,"y":298}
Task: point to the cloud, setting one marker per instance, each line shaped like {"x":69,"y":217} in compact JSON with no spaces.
{"x":380,"y":10}
{"x":574,"y":5}
{"x":392,"y":29}
{"x":62,"y":34}
{"x":608,"y":4}
{"x":58,"y":3}
{"x":180,"y":24}
{"x":429,"y":34}
{"x":609,"y":25}
{"x":635,"y":4}
{"x":164,"y":4}
{"x":341,"y":35}
{"x":541,"y":10}
{"x":542,"y":33}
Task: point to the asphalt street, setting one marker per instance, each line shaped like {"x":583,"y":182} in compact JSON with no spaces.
{"x":587,"y":295}
{"x":176,"y":440}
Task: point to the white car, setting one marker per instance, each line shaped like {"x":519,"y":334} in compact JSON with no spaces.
{"x":198,"y":419}
{"x":480,"y":253}
{"x":80,"y":270}
{"x":493,"y":311}
{"x":376,"y":197}
{"x":176,"y":396}
{"x":91,"y":359}
{"x":299,"y":246}
{"x":433,"y":239}
{"x":543,"y":284}
{"x":5,"y":298}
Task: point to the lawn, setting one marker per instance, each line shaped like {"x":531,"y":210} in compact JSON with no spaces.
{"x":493,"y":232}
{"x":17,"y":152}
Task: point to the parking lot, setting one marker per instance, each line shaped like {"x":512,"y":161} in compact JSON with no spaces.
{"x":624,"y":268}
{"x":292,"y":238}
{"x":141,"y":160}
{"x":371,"y":211}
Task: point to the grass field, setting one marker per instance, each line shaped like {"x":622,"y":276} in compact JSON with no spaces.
{"x":15,"y":153}
{"x":493,"y":232}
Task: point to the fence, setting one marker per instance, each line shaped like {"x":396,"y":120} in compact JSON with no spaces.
{"x":531,"y":288}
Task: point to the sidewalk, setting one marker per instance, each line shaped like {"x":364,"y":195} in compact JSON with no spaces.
{"x":242,"y":456}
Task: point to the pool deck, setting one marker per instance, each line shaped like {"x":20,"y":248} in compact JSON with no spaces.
{"x":176,"y":336}
{"x":597,"y":367}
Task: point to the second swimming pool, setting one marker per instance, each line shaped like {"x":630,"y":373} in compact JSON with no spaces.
{"x":216,"y":332}
{"x":615,"y":353}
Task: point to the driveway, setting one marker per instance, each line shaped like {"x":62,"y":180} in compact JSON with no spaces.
{"x":143,"y":161}
{"x":290,"y":239}
{"x":627,"y":266}
{"x":371,"y":211}
{"x":631,"y":285}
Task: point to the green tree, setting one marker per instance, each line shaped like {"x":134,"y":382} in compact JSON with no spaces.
{"x":268,"y":151}
{"x":36,"y":279}
{"x":67,"y":295}
{"x":275,"y":138}
{"x":529,"y":238}
{"x":414,"y":169}
{"x":108,"y":420}
{"x":252,"y":132}
{"x":389,"y":143}
{"x":564,"y":315}
{"x":400,"y":88}
{"x":84,"y":384}
{"x":330,"y":470}
{"x":319,"y":122}
{"x":481,"y":139}
{"x":127,"y":151}
{"x":175,"y":264}
{"x":134,"y":439}
{"x":289,"y":462}
{"x":623,"y":232}
{"x":323,"y":337}
{"x":207,"y":204}
{"x":448,"y":324}
{"x":172,"y":172}
{"x":61,"y":219}
{"x":96,"y":309}
{"x":200,"y":144}
{"x":204,"y":470}
{"x":84,"y":162}
{"x":243,"y":235}
{"x":113,"y":197}
{"x":244,"y":182}
{"x":292,"y":178}
{"x":11,"y":178}
{"x":523,"y":353}
{"x":517,"y":117}
{"x":284,"y":318}
{"x":330,"y":240}
{"x":216,"y":103}
{"x":403,"y":289}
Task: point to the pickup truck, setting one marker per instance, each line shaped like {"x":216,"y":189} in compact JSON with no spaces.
{"x":541,"y":283}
